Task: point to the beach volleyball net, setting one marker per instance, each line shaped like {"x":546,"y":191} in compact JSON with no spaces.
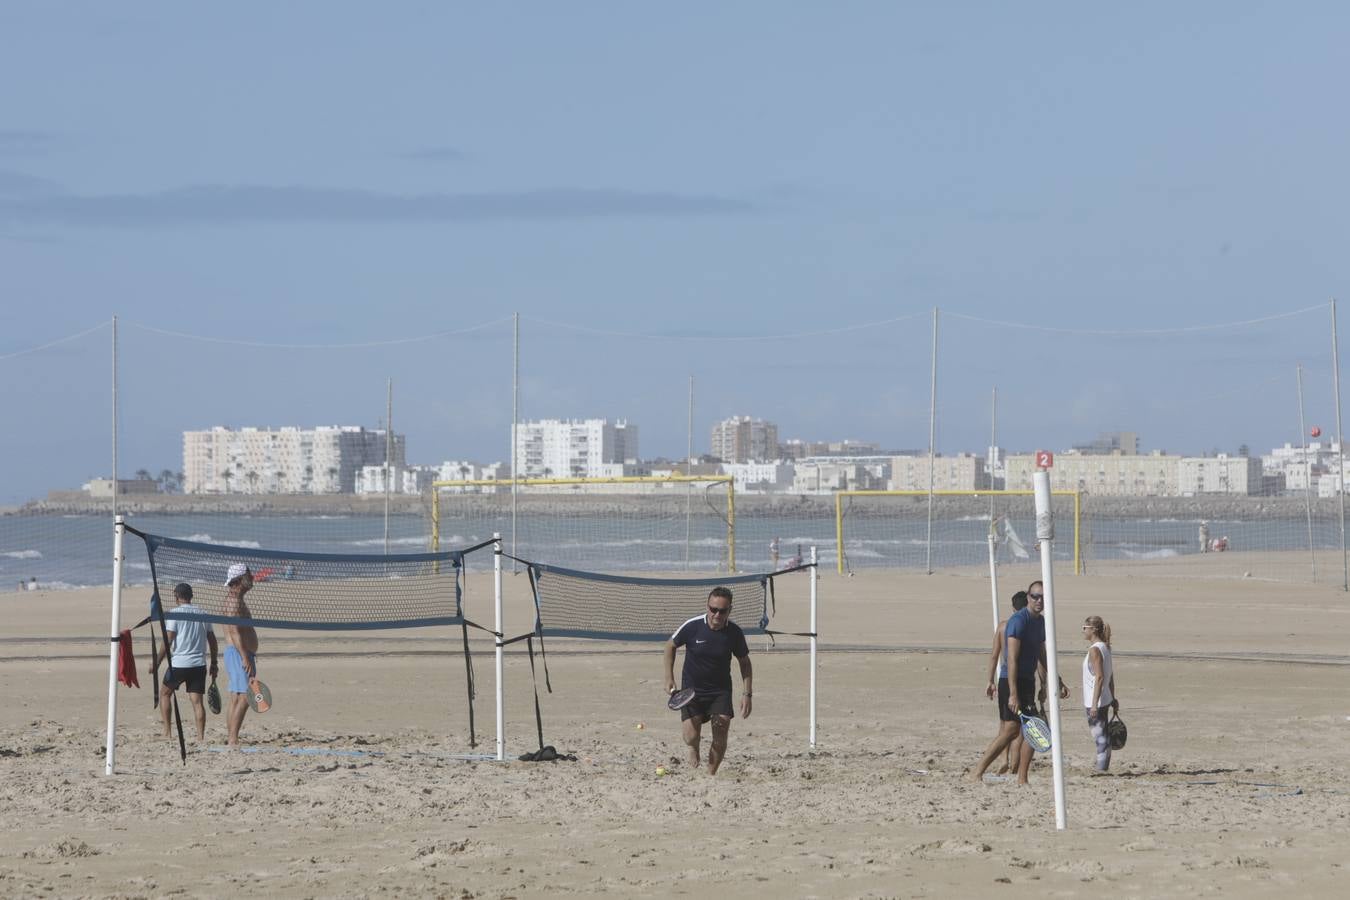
{"x":629,"y":524}
{"x":284,"y":590}
{"x":570,"y":603}
{"x":894,"y":529}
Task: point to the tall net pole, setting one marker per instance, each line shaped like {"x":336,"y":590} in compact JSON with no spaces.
{"x":993,"y":519}
{"x":114,"y":416}
{"x":1340,"y":443}
{"x":689,"y":488}
{"x":932,"y":442}
{"x":110,"y":759}
{"x":388,"y":452}
{"x":1045,"y":534}
{"x":1307,"y":473}
{"x":515,"y":426}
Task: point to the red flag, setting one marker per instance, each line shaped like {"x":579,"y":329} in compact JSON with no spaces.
{"x":126,"y":663}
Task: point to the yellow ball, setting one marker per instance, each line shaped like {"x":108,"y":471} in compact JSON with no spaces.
{"x":661,"y":770}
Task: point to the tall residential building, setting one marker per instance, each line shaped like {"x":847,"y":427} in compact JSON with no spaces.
{"x":575,"y":448}
{"x":1222,"y":474}
{"x":743,"y":439}
{"x":290,"y":460}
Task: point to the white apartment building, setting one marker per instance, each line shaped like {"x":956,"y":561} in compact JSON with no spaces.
{"x":289,"y":460}
{"x":825,"y":476}
{"x":574,"y":448}
{"x":760,"y":477}
{"x":1299,"y":466}
{"x":1102,"y":475}
{"x":743,"y":439}
{"x":1222,"y":474}
{"x":964,"y":472}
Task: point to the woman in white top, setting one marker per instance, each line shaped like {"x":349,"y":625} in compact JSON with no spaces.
{"x":1099,"y":685}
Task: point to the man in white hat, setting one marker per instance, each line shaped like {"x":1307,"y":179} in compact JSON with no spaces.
{"x":241,"y":648}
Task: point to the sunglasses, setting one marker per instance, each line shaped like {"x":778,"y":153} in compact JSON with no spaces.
{"x":719,"y":610}
{"x":1035,"y":596}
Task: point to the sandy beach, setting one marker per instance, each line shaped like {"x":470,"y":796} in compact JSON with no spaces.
{"x":1234,"y":782}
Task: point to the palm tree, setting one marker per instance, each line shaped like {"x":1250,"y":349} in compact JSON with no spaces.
{"x":143,"y":475}
{"x":280,"y":479}
{"x":252,"y":477}
{"x":166,"y":481}
{"x":332,"y":480}
{"x":227,"y":475}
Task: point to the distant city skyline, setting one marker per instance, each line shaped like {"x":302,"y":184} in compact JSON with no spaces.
{"x":1129,"y":218}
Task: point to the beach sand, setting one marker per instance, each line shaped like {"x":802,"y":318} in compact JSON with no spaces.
{"x":1234,"y":781}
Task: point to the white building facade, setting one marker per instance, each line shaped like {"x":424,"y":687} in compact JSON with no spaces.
{"x":574,"y":448}
{"x":1102,"y":475}
{"x":288,"y":460}
{"x":1222,"y":474}
{"x":965,"y":472}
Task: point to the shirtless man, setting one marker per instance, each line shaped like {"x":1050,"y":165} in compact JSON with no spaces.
{"x":241,"y":648}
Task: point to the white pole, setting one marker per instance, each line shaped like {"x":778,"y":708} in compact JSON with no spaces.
{"x":1045,"y":534}
{"x":1307,"y":473}
{"x":114,"y":416}
{"x":932,"y":440}
{"x":993,"y":569}
{"x":388,"y":450}
{"x":497,"y":626}
{"x":1340,"y":443}
{"x":815,"y":577}
{"x":115,"y":633}
{"x":689,"y":485}
{"x":993,"y":522}
{"x":515,"y":426}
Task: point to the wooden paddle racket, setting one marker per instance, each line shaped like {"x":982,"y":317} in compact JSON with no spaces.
{"x":213,"y":697}
{"x":259,"y":696}
{"x":680,"y":699}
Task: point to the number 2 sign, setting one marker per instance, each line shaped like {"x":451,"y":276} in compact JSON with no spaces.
{"x":1044,"y":459}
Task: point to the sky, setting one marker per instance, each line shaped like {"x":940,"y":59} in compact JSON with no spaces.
{"x":1127,"y":218}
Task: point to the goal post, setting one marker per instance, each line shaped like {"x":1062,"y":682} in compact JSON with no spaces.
{"x":637,"y":522}
{"x":874,"y":527}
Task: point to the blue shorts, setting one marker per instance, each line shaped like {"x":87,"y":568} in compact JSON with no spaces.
{"x":234,"y":668}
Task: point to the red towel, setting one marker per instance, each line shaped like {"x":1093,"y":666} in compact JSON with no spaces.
{"x":126,"y":663}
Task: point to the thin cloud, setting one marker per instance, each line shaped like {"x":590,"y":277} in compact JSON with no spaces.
{"x":251,"y":204}
{"x":17,"y":184}
{"x":436,"y":154}
{"x":25,"y":143}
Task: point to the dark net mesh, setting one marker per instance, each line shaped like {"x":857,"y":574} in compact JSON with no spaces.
{"x":620,"y":608}
{"x":311,"y":590}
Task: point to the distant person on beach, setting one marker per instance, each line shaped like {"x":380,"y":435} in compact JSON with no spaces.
{"x":1024,"y":642}
{"x":188,"y":642}
{"x":241,"y":648}
{"x":998,"y":688}
{"x":32,"y":583}
{"x":709,"y":642}
{"x":1099,"y":686}
{"x":773,"y":554}
{"x":1204,"y":537}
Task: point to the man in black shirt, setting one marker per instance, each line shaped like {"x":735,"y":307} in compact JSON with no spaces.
{"x":710,"y":641}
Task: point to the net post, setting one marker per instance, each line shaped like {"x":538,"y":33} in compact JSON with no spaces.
{"x":435,"y":521}
{"x":497,"y":626}
{"x":1045,"y":534}
{"x":815,"y":577}
{"x":731,"y":526}
{"x":993,"y":567}
{"x":115,"y":633}
{"x":839,"y":531}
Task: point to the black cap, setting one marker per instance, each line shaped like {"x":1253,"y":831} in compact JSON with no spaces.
{"x":183,"y":590}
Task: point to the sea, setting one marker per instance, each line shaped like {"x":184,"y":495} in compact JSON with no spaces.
{"x":75,"y":551}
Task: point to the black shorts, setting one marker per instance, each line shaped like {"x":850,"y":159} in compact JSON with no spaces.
{"x":194,"y":678}
{"x":705,"y":706}
{"x":1026,"y":696}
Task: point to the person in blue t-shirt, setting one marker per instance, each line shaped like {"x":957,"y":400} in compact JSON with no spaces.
{"x":709,"y":642}
{"x":1024,"y":645}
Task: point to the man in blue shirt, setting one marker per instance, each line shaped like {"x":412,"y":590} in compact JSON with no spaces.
{"x":1024,"y":643}
{"x":710,"y":641}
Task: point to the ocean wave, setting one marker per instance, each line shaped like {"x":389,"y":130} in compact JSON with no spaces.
{"x":1165,"y":553}
{"x":402,"y":542}
{"x":202,"y":538}
{"x":22,"y":554}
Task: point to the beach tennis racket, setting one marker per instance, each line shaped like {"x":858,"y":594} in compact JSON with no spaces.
{"x":1035,"y":732}
{"x":213,"y":697}
{"x":680,"y":699}
{"x":259,"y":696}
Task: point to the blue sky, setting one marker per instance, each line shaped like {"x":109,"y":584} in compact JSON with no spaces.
{"x":286,"y":204}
